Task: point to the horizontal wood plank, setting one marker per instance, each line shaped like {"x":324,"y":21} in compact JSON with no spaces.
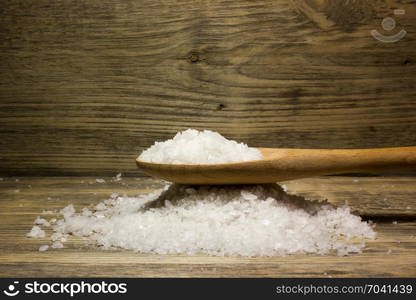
{"x":392,"y":254}
{"x":367,"y":196}
{"x":86,"y":85}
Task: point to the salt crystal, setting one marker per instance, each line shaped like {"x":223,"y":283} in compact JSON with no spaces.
{"x":99,"y":180}
{"x":17,"y":191}
{"x":199,"y":147}
{"x":57,"y":245}
{"x":86,"y":212}
{"x":395,"y":222}
{"x":389,"y":251}
{"x":356,"y":180}
{"x":265,"y":222}
{"x":100,"y":206}
{"x":41,"y":221}
{"x":118,"y":177}
{"x":190,"y":191}
{"x":36,"y":232}
{"x":56,"y":236}
{"x":17,"y":180}
{"x":248,"y":196}
{"x":68,"y":211}
{"x":258,"y":220}
{"x":43,"y":248}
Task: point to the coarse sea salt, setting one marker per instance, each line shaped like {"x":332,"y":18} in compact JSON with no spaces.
{"x":43,"y":248}
{"x":257,"y":220}
{"x":57,"y":244}
{"x":36,"y":232}
{"x":117,"y":177}
{"x":199,"y":147}
{"x":41,"y":221}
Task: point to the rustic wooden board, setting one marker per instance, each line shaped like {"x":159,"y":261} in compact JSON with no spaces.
{"x":392,"y":254}
{"x":86,"y":85}
{"x":367,"y":196}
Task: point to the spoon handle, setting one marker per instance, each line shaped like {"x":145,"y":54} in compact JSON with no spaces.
{"x":313,"y":162}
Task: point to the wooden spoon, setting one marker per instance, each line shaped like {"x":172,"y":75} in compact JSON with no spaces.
{"x":286,"y":164}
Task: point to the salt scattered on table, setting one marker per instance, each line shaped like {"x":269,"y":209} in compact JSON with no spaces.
{"x":199,"y":147}
{"x":41,"y":221}
{"x":43,"y":248}
{"x":258,"y":220}
{"x":57,"y":245}
{"x":118,"y":177}
{"x":36,"y":232}
{"x":99,"y":180}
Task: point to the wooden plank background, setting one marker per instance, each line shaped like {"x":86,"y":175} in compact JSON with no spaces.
{"x":86,"y":85}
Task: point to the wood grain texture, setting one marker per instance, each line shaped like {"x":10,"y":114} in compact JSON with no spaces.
{"x":392,"y":254}
{"x":368,"y":196}
{"x":86,"y":85}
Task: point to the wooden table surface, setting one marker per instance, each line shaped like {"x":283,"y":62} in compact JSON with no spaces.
{"x":385,"y":200}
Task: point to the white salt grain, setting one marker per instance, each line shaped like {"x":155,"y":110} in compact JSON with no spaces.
{"x":258,"y":220}
{"x":199,"y":147}
{"x":57,"y":245}
{"x":99,"y":180}
{"x":43,"y":248}
{"x":118,"y":177}
{"x":36,"y":232}
{"x":68,"y":211}
{"x":41,"y":221}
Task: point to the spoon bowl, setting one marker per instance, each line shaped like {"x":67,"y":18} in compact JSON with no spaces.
{"x":279,"y":164}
